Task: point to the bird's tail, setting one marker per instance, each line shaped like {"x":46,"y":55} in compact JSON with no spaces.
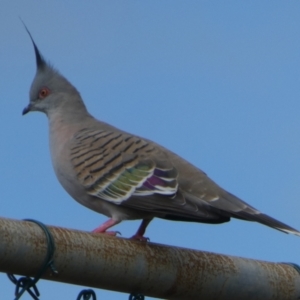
{"x":269,"y":221}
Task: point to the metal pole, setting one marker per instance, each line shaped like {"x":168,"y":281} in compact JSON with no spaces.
{"x":160,"y":271}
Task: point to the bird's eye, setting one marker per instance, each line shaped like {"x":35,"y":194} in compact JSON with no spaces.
{"x":43,"y":93}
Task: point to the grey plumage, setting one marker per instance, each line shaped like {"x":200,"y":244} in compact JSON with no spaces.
{"x":124,"y":176}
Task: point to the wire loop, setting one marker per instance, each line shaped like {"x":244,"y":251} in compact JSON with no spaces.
{"x":86,"y":295}
{"x":26,"y":283}
{"x":136,"y":296}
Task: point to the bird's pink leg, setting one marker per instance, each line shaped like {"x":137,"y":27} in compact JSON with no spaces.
{"x":109,"y":223}
{"x":140,"y":233}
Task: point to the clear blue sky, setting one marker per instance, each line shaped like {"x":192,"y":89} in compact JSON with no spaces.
{"x":216,"y":82}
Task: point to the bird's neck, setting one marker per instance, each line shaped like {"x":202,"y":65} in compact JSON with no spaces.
{"x":66,"y":120}
{"x":68,"y":112}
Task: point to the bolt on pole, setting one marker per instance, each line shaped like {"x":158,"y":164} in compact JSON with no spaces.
{"x":160,"y":271}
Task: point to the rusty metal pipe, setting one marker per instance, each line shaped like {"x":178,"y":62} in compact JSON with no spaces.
{"x":160,"y":271}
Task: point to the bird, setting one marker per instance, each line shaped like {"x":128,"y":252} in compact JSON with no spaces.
{"x":124,"y":176}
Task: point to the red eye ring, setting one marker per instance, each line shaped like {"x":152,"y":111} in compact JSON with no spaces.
{"x":43,"y":93}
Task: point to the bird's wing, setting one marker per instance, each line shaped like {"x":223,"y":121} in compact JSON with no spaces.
{"x":136,"y":173}
{"x":115,"y":166}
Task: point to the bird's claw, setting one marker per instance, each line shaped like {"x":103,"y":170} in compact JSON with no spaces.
{"x":140,"y":238}
{"x":112,"y":233}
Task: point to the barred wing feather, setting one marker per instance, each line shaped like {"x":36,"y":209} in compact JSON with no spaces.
{"x":115,"y":166}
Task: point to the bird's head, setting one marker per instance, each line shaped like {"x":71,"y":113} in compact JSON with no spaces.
{"x":49,"y":90}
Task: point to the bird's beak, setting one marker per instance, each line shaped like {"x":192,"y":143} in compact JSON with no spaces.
{"x":26,"y":110}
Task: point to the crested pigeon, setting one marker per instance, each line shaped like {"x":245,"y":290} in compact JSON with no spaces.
{"x":123,"y":176}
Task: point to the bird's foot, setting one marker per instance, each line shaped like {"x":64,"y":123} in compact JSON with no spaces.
{"x":140,"y":238}
{"x":112,"y":233}
{"x":108,"y":224}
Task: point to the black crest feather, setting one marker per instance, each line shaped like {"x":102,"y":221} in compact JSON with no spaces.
{"x":40,"y":62}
